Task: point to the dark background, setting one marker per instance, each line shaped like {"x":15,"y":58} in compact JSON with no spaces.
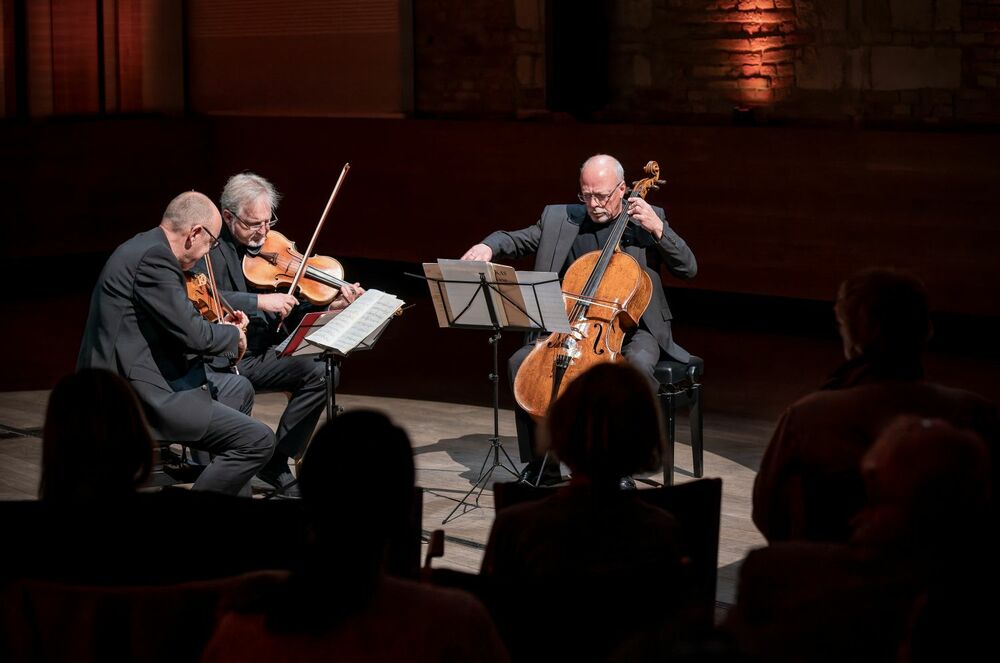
{"x":781,"y":195}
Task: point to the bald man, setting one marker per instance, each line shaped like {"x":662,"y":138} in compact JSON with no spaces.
{"x":566,"y":232}
{"x":143,"y":326}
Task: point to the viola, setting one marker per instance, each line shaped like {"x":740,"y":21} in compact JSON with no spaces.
{"x":205,"y":295}
{"x":318,"y":278}
{"x":606,"y":294}
{"x":277,"y":262}
{"x":202,"y":295}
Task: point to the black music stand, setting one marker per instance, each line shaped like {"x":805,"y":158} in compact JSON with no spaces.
{"x":297,"y":345}
{"x":483,"y":290}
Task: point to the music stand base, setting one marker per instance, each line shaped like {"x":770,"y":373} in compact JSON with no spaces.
{"x":484,"y":475}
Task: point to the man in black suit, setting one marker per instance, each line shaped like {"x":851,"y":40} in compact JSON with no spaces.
{"x":566,"y":232}
{"x":248,"y":203}
{"x":143,"y":326}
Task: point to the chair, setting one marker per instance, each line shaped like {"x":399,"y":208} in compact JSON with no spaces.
{"x":696,"y":505}
{"x":680,"y":387}
{"x":55,"y":621}
{"x":173,"y":467}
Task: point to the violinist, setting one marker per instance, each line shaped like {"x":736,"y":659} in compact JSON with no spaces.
{"x":248,"y":204}
{"x":142,"y":325}
{"x":567,"y":232}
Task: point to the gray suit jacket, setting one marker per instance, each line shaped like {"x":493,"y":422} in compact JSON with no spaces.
{"x":552,"y":237}
{"x":142,"y":326}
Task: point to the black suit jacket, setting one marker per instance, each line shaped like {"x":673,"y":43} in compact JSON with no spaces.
{"x":552,"y":237}
{"x":142,"y":326}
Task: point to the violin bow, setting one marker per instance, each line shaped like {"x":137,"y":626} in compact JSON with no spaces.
{"x":319,"y":226}
{"x":218,"y":302}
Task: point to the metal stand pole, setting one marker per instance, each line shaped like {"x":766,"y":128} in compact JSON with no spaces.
{"x":495,"y":446}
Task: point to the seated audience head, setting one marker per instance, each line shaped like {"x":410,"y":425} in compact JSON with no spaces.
{"x":95,"y":443}
{"x":883,"y":313}
{"x":357,"y":484}
{"x":606,"y":425}
{"x":928,"y":483}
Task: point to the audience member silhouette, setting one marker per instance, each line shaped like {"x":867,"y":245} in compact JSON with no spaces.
{"x":95,"y":442}
{"x":809,"y":485}
{"x":562,"y":572}
{"x":357,"y":483}
{"x":928,"y":487}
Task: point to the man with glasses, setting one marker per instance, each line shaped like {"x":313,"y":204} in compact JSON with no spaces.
{"x":142,"y":325}
{"x":565,"y":233}
{"x":248,"y":203}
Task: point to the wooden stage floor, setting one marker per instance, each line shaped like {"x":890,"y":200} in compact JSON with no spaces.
{"x":450,"y":443}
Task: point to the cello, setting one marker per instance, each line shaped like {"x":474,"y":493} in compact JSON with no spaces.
{"x":606,"y":294}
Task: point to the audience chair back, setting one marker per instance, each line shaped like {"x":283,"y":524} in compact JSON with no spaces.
{"x":696,"y":505}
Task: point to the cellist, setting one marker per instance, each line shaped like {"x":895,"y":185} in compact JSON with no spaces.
{"x":566,"y":232}
{"x":248,"y":205}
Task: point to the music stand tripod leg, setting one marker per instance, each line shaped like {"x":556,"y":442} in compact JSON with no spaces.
{"x":495,"y":445}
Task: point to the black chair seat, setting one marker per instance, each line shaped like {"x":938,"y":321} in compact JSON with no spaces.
{"x":673,"y":372}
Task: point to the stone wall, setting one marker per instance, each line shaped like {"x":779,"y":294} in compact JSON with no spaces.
{"x":865,"y":62}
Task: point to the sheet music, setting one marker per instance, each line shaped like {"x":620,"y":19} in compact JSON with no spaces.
{"x":468,"y":302}
{"x":357,"y":322}
{"x":544,"y":302}
{"x":310,"y":322}
{"x":442,"y":309}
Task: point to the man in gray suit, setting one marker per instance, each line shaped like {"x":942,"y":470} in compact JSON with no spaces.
{"x":248,"y":204}
{"x":142,"y":325}
{"x":566,"y":232}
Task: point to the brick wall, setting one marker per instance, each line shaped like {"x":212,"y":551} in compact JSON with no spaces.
{"x":482,"y":58}
{"x":865,"y":62}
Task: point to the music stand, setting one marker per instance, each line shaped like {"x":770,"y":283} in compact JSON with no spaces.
{"x":483,"y":290}
{"x":296,"y":345}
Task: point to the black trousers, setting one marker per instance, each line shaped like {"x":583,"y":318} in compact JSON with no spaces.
{"x":305,"y":378}
{"x":639,"y":348}
{"x":236,"y":444}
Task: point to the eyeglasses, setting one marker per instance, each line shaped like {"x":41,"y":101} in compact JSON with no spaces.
{"x":215,"y":240}
{"x":599,"y":198}
{"x":254,"y":227}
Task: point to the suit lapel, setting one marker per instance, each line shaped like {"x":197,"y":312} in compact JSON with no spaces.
{"x":233,"y":264}
{"x":569,"y":228}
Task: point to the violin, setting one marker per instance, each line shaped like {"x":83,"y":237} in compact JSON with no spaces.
{"x":277,"y":262}
{"x":318,"y":278}
{"x":606,"y":294}
{"x":205,"y":295}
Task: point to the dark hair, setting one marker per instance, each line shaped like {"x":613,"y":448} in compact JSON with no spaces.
{"x":885,"y":313}
{"x":95,"y":441}
{"x":929,"y":467}
{"x":607,"y":424}
{"x":357,"y":482}
{"x":337,"y":473}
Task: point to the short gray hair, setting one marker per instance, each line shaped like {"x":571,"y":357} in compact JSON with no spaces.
{"x":619,"y":171}
{"x":188,"y":209}
{"x":245,"y":188}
